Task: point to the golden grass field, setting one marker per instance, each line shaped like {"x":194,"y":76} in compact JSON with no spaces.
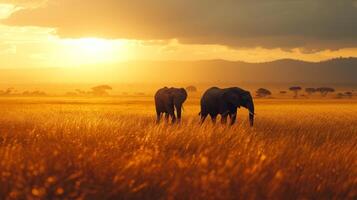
{"x":111,"y":148}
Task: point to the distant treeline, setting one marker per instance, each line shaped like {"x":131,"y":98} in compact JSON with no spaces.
{"x":104,"y":90}
{"x":308,"y":92}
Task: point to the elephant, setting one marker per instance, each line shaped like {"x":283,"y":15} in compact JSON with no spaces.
{"x":216,"y":101}
{"x":167,"y":99}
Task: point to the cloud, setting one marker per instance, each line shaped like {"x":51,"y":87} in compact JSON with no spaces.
{"x":7,"y":48}
{"x":24,"y":3}
{"x":312,"y":25}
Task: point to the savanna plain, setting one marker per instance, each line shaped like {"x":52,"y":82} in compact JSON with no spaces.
{"x":111,"y":148}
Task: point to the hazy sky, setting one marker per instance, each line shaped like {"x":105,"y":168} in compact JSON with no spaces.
{"x":52,"y":33}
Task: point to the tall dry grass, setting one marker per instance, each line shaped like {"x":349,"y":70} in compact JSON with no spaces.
{"x":78,"y":149}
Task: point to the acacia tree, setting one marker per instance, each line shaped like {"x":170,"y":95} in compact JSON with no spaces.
{"x":296,"y":90}
{"x":7,"y":91}
{"x":340,"y":95}
{"x":262,"y":92}
{"x":325,"y":90}
{"x":81,"y":92}
{"x":191,"y":88}
{"x":348,"y":94}
{"x":283,"y":92}
{"x":101,"y":90}
{"x":310,"y":91}
{"x":344,"y":95}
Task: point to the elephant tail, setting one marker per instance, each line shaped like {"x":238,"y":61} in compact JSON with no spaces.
{"x":199,"y":114}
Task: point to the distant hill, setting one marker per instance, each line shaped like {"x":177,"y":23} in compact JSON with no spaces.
{"x":339,"y":71}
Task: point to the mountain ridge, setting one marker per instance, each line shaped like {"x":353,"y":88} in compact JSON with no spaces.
{"x":337,"y":70}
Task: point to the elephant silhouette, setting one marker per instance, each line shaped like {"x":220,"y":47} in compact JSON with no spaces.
{"x":225,"y":102}
{"x":167,"y":100}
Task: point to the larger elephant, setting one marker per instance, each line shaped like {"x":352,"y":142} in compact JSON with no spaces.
{"x":225,"y":102}
{"x":169,"y":99}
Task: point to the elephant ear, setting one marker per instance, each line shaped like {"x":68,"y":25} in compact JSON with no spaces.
{"x":246,"y":96}
{"x":232,"y":98}
{"x":184,"y":93}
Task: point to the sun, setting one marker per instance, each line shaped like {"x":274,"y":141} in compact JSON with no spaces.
{"x":94,"y":47}
{"x":84,"y":51}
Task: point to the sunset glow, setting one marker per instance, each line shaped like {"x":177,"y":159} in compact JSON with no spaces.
{"x":178,"y":99}
{"x":89,"y":51}
{"x":45,"y":46}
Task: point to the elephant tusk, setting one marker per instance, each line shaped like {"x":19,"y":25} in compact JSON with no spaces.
{"x":252,"y":113}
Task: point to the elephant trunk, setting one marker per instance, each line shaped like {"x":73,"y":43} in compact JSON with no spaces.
{"x":251,"y":114}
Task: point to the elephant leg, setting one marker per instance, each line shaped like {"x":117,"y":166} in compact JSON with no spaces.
{"x":171,"y":113}
{"x":224,"y":119}
{"x":203,"y":118}
{"x":179,"y":112}
{"x":158,"y":117}
{"x":173,"y":117}
{"x":167,"y":117}
{"x":214,"y":118}
{"x":233,"y":118}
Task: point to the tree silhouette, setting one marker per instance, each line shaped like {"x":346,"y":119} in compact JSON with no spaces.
{"x":296,"y":90}
{"x":81,"y":92}
{"x":340,"y":95}
{"x":101,"y":90}
{"x":348,"y":94}
{"x":7,"y":91}
{"x":310,"y":91}
{"x":262,"y":92}
{"x":325,"y":90}
{"x":34,"y":93}
{"x":191,"y":88}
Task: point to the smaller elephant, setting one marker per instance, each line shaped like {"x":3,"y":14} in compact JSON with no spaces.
{"x":169,"y":99}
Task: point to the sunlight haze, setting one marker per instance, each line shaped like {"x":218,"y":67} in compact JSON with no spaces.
{"x":178,"y":99}
{"x":54,"y":34}
{"x":24,"y":46}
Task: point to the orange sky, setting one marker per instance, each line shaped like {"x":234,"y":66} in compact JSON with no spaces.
{"x":68,"y":33}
